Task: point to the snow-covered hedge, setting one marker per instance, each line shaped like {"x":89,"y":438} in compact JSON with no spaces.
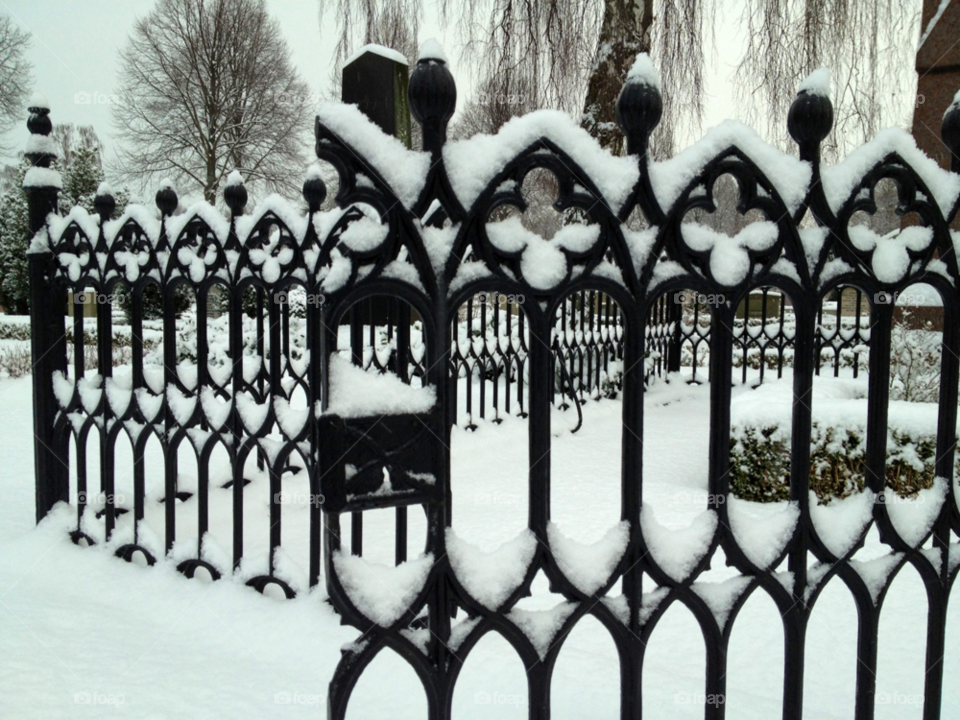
{"x":760,"y":462}
{"x":761,"y":433}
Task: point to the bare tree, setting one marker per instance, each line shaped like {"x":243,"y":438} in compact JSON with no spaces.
{"x":70,"y":138}
{"x":866,"y":45}
{"x":207,"y":86}
{"x":392,"y":23}
{"x":15,"y":78}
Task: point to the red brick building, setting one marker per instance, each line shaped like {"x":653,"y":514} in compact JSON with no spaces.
{"x":938,"y":71}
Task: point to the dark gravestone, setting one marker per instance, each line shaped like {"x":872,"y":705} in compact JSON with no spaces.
{"x":375,"y":80}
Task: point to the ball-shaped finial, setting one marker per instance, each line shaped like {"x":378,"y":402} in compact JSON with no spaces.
{"x":104,"y":202}
{"x":166,"y":198}
{"x":950,"y":130}
{"x":811,"y":114}
{"x":640,"y":105}
{"x":39,"y":122}
{"x":433,"y":95}
{"x":235,"y":194}
{"x":314,"y":189}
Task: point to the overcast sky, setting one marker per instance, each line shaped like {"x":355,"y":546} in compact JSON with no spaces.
{"x":75,"y":46}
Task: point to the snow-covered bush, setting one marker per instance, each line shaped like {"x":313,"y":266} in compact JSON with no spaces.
{"x":15,"y":361}
{"x":760,"y":462}
{"x":14,"y":331}
{"x":914,"y":362}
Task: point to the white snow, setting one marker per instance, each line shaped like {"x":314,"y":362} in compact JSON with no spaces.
{"x":39,"y":101}
{"x":62,"y":388}
{"x":721,"y":597}
{"x":291,"y":420}
{"x":541,"y":626}
{"x":589,"y":567}
{"x":381,"y":50}
{"x":542,"y":263}
{"x":206,"y":212}
{"x":354,"y":392}
{"x":678,"y":551}
{"x":914,"y":517}
{"x":89,"y":225}
{"x":472,"y":164}
{"x":405,"y":171}
{"x":761,"y":534}
{"x":875,"y":572}
{"x":41,"y":144}
{"x":933,"y":23}
{"x":920,"y":295}
{"x":954,"y":104}
{"x":841,"y":522}
{"x":788,"y":175}
{"x":491,"y":577}
{"x":283,"y":210}
{"x":890,"y":259}
{"x":644,"y":72}
{"x":729,"y":259}
{"x":839,"y":180}
{"x":90,"y":391}
{"x":143,"y":216}
{"x":816,"y":83}
{"x":430,"y":49}
{"x":382,"y":593}
{"x":252,"y":413}
{"x":42,"y":177}
{"x":181,"y":406}
{"x":136,"y":632}
{"x":217,"y":411}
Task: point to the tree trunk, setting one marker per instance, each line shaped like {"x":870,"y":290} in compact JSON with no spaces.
{"x":625,"y":33}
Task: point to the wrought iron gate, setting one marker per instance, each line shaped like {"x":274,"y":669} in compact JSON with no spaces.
{"x":415,"y":228}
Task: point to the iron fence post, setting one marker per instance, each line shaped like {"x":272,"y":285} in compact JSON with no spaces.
{"x":47,"y":303}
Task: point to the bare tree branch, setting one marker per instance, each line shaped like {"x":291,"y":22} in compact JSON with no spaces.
{"x":15,"y":75}
{"x":207,"y":86}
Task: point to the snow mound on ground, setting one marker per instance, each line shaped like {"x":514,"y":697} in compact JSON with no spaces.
{"x":491,"y":577}
{"x":589,"y":567}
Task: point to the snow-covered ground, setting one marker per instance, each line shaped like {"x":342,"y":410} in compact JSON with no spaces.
{"x":85,"y":635}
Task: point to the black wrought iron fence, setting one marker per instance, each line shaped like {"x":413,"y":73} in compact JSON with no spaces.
{"x":287,"y":405}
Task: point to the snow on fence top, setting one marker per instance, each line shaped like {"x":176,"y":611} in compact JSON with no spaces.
{"x":391,"y":186}
{"x":385,"y":188}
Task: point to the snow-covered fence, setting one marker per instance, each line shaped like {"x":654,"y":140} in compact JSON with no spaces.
{"x":417,"y":229}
